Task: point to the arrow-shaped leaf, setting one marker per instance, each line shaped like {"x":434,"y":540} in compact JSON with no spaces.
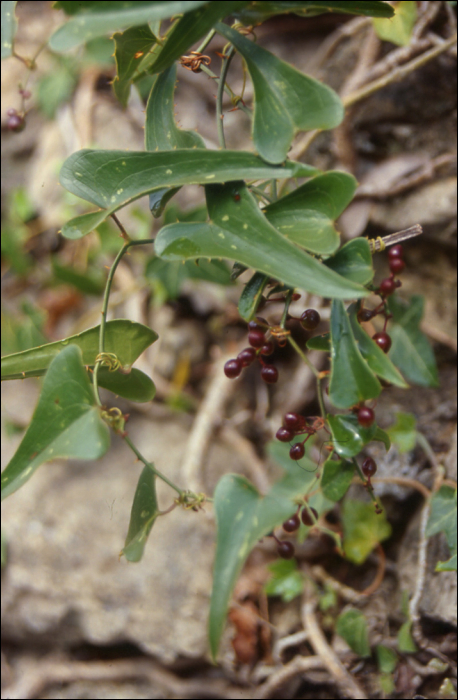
{"x":285,"y":100}
{"x":243,"y":516}
{"x":239,"y":231}
{"x":124,"y":338}
{"x":65,"y":422}
{"x":112,"y":179}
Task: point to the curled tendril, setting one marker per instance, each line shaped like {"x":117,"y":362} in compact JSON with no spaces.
{"x":108,"y":359}
{"x":194,"y":61}
{"x":191,"y":501}
{"x":115,"y":419}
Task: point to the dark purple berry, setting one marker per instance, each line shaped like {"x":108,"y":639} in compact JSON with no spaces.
{"x":383,"y":340}
{"x":310,"y":319}
{"x":285,"y":550}
{"x":292,"y":524}
{"x":397,"y":283}
{"x":307,"y":518}
{"x":366,"y":416}
{"x":267,"y":348}
{"x":247,"y":356}
{"x":232,"y":368}
{"x":256,"y":338}
{"x":396,"y":252}
{"x":284,"y":434}
{"x":297,"y":451}
{"x":253,"y":326}
{"x":293,"y":421}
{"x":369,"y":467}
{"x":365,"y":315}
{"x":397,"y":265}
{"x":12,"y":112}
{"x":269,"y":373}
{"x":16,"y":123}
{"x":387,"y":286}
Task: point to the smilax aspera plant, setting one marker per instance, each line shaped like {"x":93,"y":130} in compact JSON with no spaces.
{"x":267,"y":214}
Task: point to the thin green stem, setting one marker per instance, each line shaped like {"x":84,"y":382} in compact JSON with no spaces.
{"x":158,"y":473}
{"x":206,"y":41}
{"x":304,"y":357}
{"x":227,"y":89}
{"x":106,"y":298}
{"x":289,"y":296}
{"x":320,"y":396}
{"x":219,"y":96}
{"x":367,"y":483}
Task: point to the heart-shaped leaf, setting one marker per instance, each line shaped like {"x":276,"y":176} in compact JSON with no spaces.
{"x":352,"y":381}
{"x":143,"y":515}
{"x":66,"y":423}
{"x":285,"y":100}
{"x":243,"y":516}
{"x":126,"y":339}
{"x":239,"y":231}
{"x":190,"y":28}
{"x":130,"y":49}
{"x":306,"y":215}
{"x":336,"y":478}
{"x":352,"y":626}
{"x":135,"y":386}
{"x":105,"y":18}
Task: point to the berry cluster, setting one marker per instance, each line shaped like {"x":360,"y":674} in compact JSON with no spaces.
{"x":309,"y":516}
{"x":262,"y":347}
{"x":16,"y":121}
{"x":295,"y":424}
{"x":387,"y":287}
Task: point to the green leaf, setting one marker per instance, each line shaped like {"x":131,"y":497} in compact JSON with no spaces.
{"x":56,"y":87}
{"x":66,"y":423}
{"x":306,"y":215}
{"x":82,"y":225}
{"x":130,"y":49}
{"x":171,"y":275}
{"x":320,"y":342}
{"x":285,"y":100}
{"x":91,"y":282}
{"x":404,"y":432}
{"x":354,"y":261}
{"x":190,"y":28}
{"x":239,"y":231}
{"x":9,"y":27}
{"x":410,"y":349}
{"x":387,"y":659}
{"x":348,"y":436}
{"x":286,"y":581}
{"x":258,"y":12}
{"x":363,"y":529}
{"x":251,"y":295}
{"x":98,"y":19}
{"x":398,"y":29}
{"x":378,"y":361}
{"x":336,"y":478}
{"x":382,"y":436}
{"x":124,"y":338}
{"x":352,"y":381}
{"x":112,"y":179}
{"x":135,"y":386}
{"x":161,"y":132}
{"x":144,"y":512}
{"x":243,"y":517}
{"x":443,"y":519}
{"x":351,"y":625}
{"x":406,"y":643}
